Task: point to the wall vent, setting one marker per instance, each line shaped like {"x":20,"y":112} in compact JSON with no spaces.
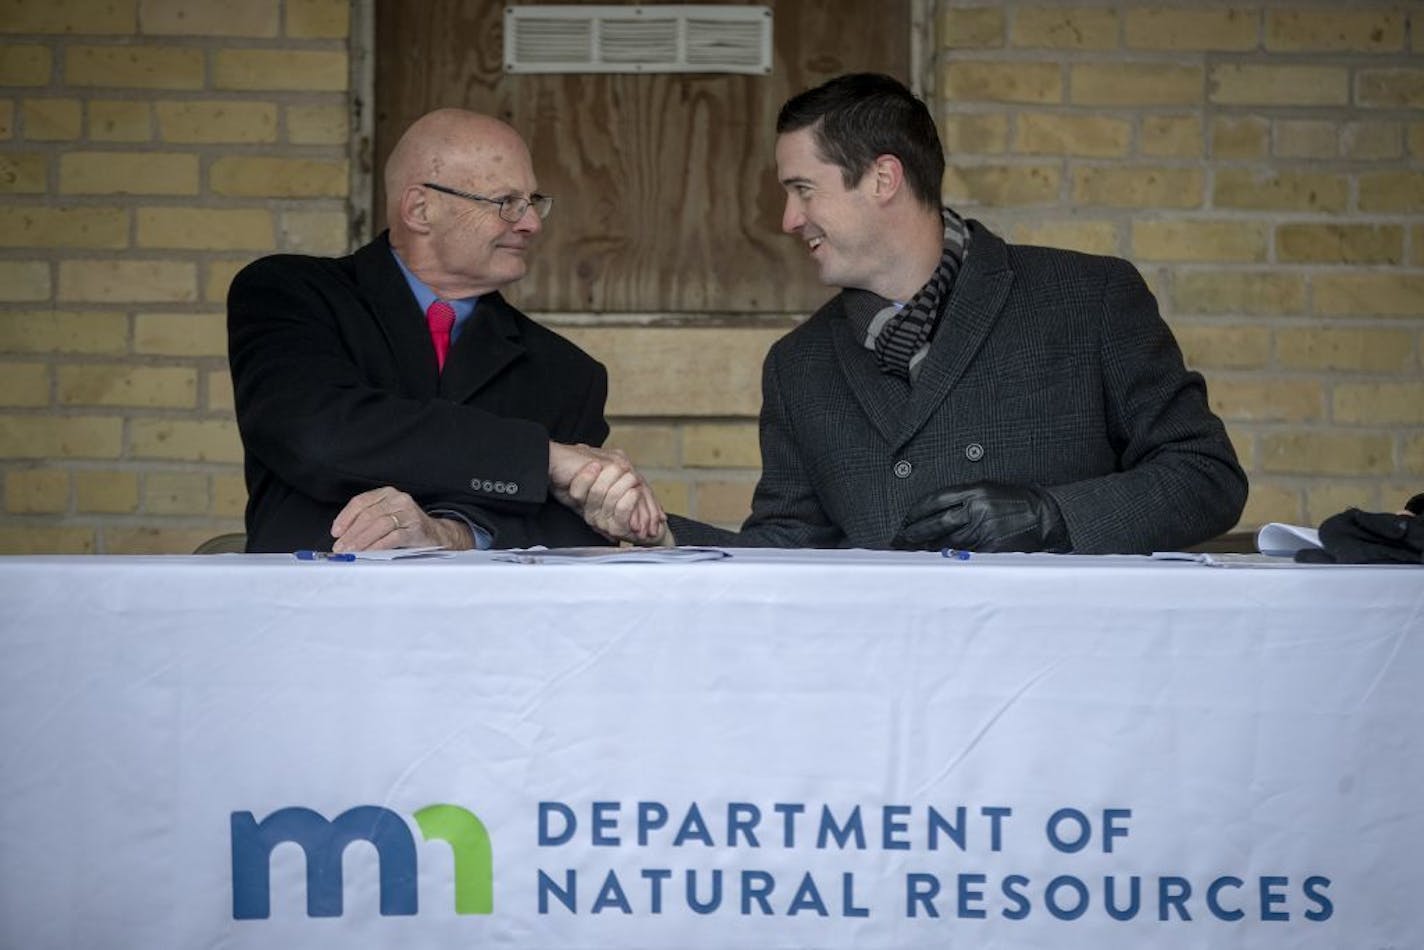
{"x":676,"y":38}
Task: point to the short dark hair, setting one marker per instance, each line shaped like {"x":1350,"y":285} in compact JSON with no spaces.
{"x":858,"y":117}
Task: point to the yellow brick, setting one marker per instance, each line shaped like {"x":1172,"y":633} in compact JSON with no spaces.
{"x":1417,"y":239}
{"x":1369,"y":294}
{"x":674,"y":496}
{"x":24,"y":65}
{"x":1245,"y":446}
{"x":1340,"y":243}
{"x":1322,"y":501}
{"x":1138,"y":84}
{"x":52,"y":120}
{"x":1238,"y":292}
{"x":1091,"y":237}
{"x":315,"y":232}
{"x":1416,"y":139}
{"x":1241,"y":84}
{"x":23,"y":173}
{"x":128,"y":173}
{"x":128,"y":281}
{"x":1183,"y":28}
{"x":7,"y":119}
{"x":1328,"y":350}
{"x":219,"y":278}
{"x":139,"y":67}
{"x":1391,"y":89}
{"x":67,"y":16}
{"x":1413,"y":456}
{"x":1363,"y":31}
{"x":1326,"y":453}
{"x":1051,"y":134}
{"x":1392,"y":192}
{"x":970,"y":81}
{"x":318,"y":125}
{"x":1138,"y":187}
{"x":43,"y":437}
{"x":1268,"y":400}
{"x":1224,"y":347}
{"x":50,"y":331}
{"x":1172,"y":136}
{"x":180,"y":334}
{"x":1001,"y":185}
{"x":106,"y":492}
{"x":318,"y":19}
{"x":22,"y":281}
{"x":1379,"y":404}
{"x":662,"y":371}
{"x":649,"y":446}
{"x":1306,"y":138}
{"x":37,"y":491}
{"x":1269,"y":502}
{"x":1368,"y":141}
{"x":229,"y":493}
{"x":208,"y":121}
{"x":721,"y":446}
{"x":308,"y":71}
{"x":196,"y":441}
{"x":724,"y":502}
{"x":1199,"y":240}
{"x":118,"y":120}
{"x":968,"y":134}
{"x":207,"y":229}
{"x":1065,"y":28}
{"x":254,"y":177}
{"x":175,"y":493}
{"x":151,"y":387}
{"x":219,"y":386}
{"x":40,"y":539}
{"x":154,"y":540}
{"x":1239,"y":137}
{"x":1281,"y":191}
{"x":208,"y":17}
{"x":24,"y":384}
{"x":975,"y":28}
{"x":64,"y":227}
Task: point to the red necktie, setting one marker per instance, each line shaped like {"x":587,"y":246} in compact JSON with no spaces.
{"x":440,"y":317}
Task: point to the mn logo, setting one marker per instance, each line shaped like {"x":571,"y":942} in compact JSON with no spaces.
{"x":323,"y":843}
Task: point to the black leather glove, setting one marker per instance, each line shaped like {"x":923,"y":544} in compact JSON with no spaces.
{"x":984,"y":517}
{"x":1368,"y":537}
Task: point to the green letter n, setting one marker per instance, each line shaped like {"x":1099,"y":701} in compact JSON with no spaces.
{"x":474,"y":861}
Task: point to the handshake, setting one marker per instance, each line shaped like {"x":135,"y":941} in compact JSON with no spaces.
{"x":608,"y":492}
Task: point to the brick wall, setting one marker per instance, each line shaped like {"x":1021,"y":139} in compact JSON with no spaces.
{"x":1262,"y":162}
{"x":148,"y":149}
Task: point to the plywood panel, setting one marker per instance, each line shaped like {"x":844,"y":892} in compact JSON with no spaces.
{"x":666,"y":197}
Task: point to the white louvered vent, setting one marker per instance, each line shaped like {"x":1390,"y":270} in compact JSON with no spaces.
{"x":691,"y":38}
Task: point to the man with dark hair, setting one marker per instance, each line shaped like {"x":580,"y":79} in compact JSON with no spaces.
{"x":961,"y":391}
{"x":393,"y":398}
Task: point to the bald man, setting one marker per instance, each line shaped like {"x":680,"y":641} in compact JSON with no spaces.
{"x":393,"y":398}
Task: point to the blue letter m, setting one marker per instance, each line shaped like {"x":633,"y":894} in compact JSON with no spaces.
{"x":323,"y":842}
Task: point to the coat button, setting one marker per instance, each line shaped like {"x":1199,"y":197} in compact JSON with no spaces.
{"x":974,"y":451}
{"x":903,"y":468}
{"x":512,"y":487}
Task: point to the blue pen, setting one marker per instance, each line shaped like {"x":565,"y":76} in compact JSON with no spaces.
{"x":305,"y":555}
{"x":957,"y":555}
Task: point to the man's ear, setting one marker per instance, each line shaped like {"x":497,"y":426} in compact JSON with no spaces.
{"x":415,"y":209}
{"x":889,"y":176}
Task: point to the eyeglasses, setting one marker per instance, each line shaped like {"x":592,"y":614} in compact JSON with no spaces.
{"x":511,"y":209}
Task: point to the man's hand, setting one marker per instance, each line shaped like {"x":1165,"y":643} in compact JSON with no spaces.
{"x":612,"y":496}
{"x":385,"y":518}
{"x":984,"y":517}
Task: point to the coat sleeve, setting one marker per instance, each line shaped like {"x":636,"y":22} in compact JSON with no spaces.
{"x":1178,"y":481}
{"x":319,"y":421}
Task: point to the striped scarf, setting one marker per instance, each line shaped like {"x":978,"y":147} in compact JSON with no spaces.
{"x":900,"y":336}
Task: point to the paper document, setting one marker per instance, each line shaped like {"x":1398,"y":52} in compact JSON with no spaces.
{"x":1283,"y":540}
{"x":600,"y":555}
{"x":394,"y":554}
